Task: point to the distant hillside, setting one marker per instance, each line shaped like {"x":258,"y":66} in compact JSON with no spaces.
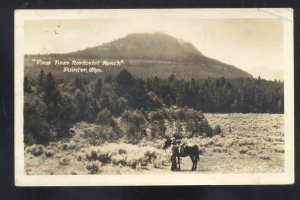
{"x":267,"y":73}
{"x":153,"y":54}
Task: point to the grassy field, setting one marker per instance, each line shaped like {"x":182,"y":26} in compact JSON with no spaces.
{"x":248,"y":143}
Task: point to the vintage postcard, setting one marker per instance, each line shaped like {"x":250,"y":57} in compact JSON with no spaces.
{"x":154,"y":97}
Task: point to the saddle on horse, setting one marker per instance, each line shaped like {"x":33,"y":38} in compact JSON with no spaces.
{"x":181,"y":150}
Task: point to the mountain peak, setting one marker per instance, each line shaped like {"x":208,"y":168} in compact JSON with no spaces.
{"x":153,"y":50}
{"x":158,"y":33}
{"x":152,"y":46}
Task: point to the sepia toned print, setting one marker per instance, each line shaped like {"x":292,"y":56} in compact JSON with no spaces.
{"x":131,"y":97}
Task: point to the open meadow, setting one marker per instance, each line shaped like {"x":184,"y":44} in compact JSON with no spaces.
{"x":248,"y":143}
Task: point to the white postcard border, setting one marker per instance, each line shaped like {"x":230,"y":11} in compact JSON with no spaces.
{"x":172,"y":178}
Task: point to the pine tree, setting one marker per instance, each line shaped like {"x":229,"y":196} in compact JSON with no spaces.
{"x":98,"y":88}
{"x":41,"y":82}
{"x":51,"y":92}
{"x":27,"y":86}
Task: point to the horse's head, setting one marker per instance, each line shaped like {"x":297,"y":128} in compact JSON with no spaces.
{"x":167,"y":143}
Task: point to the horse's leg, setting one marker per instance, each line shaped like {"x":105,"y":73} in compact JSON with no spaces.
{"x":192,"y":162}
{"x":194,"y":165}
{"x":196,"y":162}
{"x":178,"y":162}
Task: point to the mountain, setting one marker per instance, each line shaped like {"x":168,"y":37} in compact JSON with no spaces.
{"x":155,"y":46}
{"x":156,"y":54}
{"x":267,"y":73}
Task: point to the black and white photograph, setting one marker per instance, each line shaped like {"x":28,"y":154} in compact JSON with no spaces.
{"x":154,"y":97}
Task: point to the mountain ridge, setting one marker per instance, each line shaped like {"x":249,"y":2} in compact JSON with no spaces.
{"x":148,"y":54}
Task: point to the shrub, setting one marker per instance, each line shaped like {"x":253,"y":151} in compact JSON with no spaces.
{"x":217,"y":130}
{"x":219,"y":143}
{"x":104,"y":117}
{"x":119,"y":159}
{"x":28,"y":138}
{"x":122,"y":151}
{"x":279,"y":139}
{"x":92,"y":134}
{"x":52,"y":144}
{"x":72,"y":145}
{"x":92,"y":154}
{"x":178,"y":135}
{"x":219,"y":150}
{"x":134,"y":160}
{"x":134,"y":124}
{"x":104,"y":156}
{"x":123,"y":154}
{"x":65,"y":161}
{"x":36,"y":126}
{"x":243,"y":150}
{"x":251,"y":153}
{"x":49,"y":153}
{"x":101,"y":154}
{"x":150,"y":154}
{"x":58,"y":155}
{"x":94,"y":167}
{"x":248,"y":141}
{"x":161,"y":160}
{"x":156,"y":116}
{"x":201,"y":150}
{"x":265,"y":157}
{"x":65,"y":146}
{"x":36,"y":150}
{"x":181,"y":114}
{"x":157,"y":130}
{"x":228,"y":144}
{"x":277,"y":150}
{"x":80,"y":156}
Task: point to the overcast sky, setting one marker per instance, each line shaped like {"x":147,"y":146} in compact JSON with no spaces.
{"x":245,"y":43}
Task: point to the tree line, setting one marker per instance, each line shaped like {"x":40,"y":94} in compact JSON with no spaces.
{"x":52,"y":106}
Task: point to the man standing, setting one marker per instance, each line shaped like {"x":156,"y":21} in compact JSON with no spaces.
{"x":175,"y":153}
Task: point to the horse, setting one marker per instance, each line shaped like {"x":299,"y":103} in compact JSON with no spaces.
{"x":185,"y":150}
